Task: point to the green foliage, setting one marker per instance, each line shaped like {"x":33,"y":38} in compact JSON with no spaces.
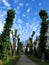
{"x":33,"y":33}
{"x":11,"y":14}
{"x":11,"y":61}
{"x":1,"y":51}
{"x":38,"y":61}
{"x":43,"y":14}
{"x":21,"y":47}
{"x":5,"y":36}
{"x":30,"y":44}
{"x":44,"y":27}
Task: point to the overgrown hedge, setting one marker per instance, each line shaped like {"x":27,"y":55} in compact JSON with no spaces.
{"x":37,"y":60}
{"x":11,"y":61}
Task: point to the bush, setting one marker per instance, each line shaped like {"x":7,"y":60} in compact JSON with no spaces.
{"x":11,"y":61}
{"x":38,"y":54}
{"x":47,"y":55}
{"x":37,"y":60}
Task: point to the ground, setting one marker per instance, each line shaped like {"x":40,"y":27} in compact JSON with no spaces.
{"x":24,"y":60}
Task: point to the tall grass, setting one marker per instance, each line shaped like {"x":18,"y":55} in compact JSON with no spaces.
{"x":37,"y":60}
{"x":11,"y":61}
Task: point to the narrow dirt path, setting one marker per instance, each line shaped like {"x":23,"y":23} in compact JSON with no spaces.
{"x":24,"y":60}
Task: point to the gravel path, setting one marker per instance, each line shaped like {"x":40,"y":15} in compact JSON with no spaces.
{"x":24,"y":60}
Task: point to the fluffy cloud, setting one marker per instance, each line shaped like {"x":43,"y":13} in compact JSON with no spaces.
{"x":34,"y":19}
{"x":6,"y":3}
{"x":27,"y":4}
{"x":23,"y":15}
{"x":20,"y":27}
{"x":2,"y":13}
{"x":19,"y":32}
{"x":2,"y":19}
{"x":15,"y":26}
{"x":40,"y":4}
{"x":17,"y":11}
{"x":35,"y":27}
{"x":26,"y":31}
{"x":20,"y":21}
{"x":21,"y":4}
{"x":28,"y":10}
{"x":18,"y":7}
{"x":1,"y":26}
{"x":2,"y":16}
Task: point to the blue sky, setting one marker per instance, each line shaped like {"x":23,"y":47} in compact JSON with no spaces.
{"x":27,"y":15}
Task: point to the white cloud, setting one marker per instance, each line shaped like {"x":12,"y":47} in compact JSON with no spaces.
{"x":2,"y":16}
{"x":26,"y":30}
{"x":23,"y":15}
{"x":35,"y":27}
{"x":15,"y":26}
{"x":1,"y":26}
{"x":21,"y":4}
{"x":20,"y":21}
{"x":2,"y":19}
{"x":3,"y":13}
{"x":15,"y":19}
{"x":37,"y":22}
{"x":17,"y":11}
{"x":0,"y":11}
{"x":3,"y":7}
{"x":6,"y":3}
{"x":32,"y":25}
{"x":27,"y":4}
{"x":27,"y":25}
{"x":19,"y":32}
{"x":20,"y":27}
{"x":18,"y":7}
{"x":28,"y":10}
{"x":40,"y":4}
{"x":34,"y":19}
